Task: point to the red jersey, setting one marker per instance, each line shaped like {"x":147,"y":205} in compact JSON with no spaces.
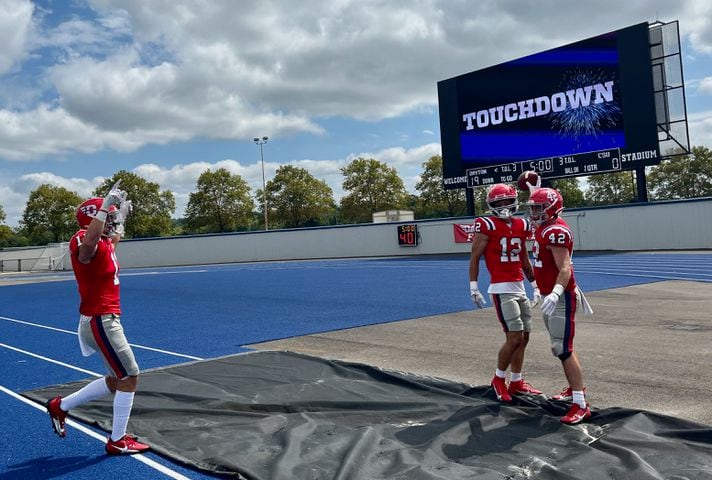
{"x":98,"y":280}
{"x":556,"y":234}
{"x":505,"y":242}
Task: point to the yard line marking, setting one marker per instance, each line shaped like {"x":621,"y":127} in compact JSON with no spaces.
{"x":167,"y":352}
{"x":151,"y":463}
{"x":46,"y":359}
{"x":158,"y":272}
{"x":661,"y":271}
{"x":616,"y":274}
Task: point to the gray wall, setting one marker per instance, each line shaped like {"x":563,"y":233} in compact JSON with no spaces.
{"x":673,"y":225}
{"x":652,"y":226}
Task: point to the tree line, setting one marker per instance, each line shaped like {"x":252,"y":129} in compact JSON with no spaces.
{"x":223,"y":202}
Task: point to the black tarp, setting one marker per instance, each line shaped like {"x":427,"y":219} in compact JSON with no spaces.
{"x":281,"y":415}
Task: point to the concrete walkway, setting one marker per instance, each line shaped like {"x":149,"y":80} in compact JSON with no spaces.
{"x":646,"y":347}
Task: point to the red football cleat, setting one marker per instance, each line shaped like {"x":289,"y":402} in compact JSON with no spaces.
{"x":500,"y":389}
{"x":126,"y":445}
{"x":520,"y":386}
{"x":57,"y":415}
{"x":566,"y":395}
{"x":576,"y":414}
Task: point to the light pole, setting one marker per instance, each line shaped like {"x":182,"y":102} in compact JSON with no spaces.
{"x":261,"y":142}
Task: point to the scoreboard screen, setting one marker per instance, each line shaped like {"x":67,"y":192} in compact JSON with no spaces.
{"x":579,"y":109}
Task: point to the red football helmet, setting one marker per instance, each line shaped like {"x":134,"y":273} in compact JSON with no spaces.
{"x":89,"y":208}
{"x":499,"y":192}
{"x":544,"y":204}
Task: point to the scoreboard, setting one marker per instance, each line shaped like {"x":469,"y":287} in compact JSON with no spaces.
{"x":610,"y":160}
{"x":576,"y":110}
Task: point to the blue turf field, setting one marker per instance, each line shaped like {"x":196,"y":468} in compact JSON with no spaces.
{"x":173,"y":315}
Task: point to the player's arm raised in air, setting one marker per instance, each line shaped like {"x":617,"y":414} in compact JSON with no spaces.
{"x":87,"y":249}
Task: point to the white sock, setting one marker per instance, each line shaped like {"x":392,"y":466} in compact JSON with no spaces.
{"x":123,"y":401}
{"x":579,"y":398}
{"x":94,"y":390}
{"x":515,"y":377}
{"x":500,"y":373}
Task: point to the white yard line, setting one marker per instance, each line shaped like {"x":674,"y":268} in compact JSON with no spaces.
{"x":50,"y":360}
{"x":143,"y":459}
{"x":143,"y":347}
{"x":622,"y":274}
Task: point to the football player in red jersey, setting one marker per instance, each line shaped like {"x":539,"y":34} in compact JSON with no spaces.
{"x":554,"y":272}
{"x":501,"y":239}
{"x":96,"y":270}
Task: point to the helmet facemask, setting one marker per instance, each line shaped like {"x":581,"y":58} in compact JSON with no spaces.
{"x":544,"y":204}
{"x":114,"y":222}
{"x":504,"y":208}
{"x":537,"y":213}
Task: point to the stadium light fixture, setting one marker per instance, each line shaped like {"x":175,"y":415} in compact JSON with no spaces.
{"x":261,"y":142}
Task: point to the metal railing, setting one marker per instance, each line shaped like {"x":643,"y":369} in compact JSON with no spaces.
{"x":31,"y":264}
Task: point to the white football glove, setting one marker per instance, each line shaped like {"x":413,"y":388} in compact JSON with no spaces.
{"x":477,"y":298}
{"x":536,"y":297}
{"x":549,"y":304}
{"x":114,"y":197}
{"x":125,"y":209}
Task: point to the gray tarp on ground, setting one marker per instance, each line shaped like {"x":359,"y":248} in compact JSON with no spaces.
{"x":287,"y":416}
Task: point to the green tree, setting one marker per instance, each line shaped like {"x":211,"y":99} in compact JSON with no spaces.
{"x":434,"y":200}
{"x":7,"y":236}
{"x":479,"y":195}
{"x":372,"y":186}
{"x":610,"y":188}
{"x":688,"y":176}
{"x":49,"y":214}
{"x":222,"y":203}
{"x":152,"y":208}
{"x":571,"y":191}
{"x":6,"y":232}
{"x":296,"y":198}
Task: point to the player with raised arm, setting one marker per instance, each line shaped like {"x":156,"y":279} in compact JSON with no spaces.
{"x":552,"y":250}
{"x":96,"y":270}
{"x":501,"y":239}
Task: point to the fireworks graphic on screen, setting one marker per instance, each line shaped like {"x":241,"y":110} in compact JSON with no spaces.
{"x":585,"y":121}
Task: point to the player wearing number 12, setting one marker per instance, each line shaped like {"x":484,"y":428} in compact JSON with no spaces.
{"x":96,"y":270}
{"x":501,"y":239}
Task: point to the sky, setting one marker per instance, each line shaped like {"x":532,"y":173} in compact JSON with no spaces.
{"x":169,"y":88}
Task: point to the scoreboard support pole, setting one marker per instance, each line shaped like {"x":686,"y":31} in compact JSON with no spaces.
{"x":641,"y":184}
{"x":470,"y":196}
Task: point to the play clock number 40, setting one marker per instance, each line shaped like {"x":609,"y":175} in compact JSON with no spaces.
{"x":408,"y":235}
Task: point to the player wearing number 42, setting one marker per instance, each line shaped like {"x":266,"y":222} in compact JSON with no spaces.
{"x":501,"y":239}
{"x":552,"y":249}
{"x":96,"y":270}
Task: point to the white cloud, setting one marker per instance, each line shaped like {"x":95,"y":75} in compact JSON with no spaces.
{"x":15,"y":193}
{"x":161,"y":72}
{"x":705,"y":86}
{"x":15,"y":25}
{"x":181,"y":179}
{"x":700,"y":127}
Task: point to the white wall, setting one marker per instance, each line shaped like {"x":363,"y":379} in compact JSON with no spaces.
{"x":651,"y":226}
{"x":684,"y":225}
